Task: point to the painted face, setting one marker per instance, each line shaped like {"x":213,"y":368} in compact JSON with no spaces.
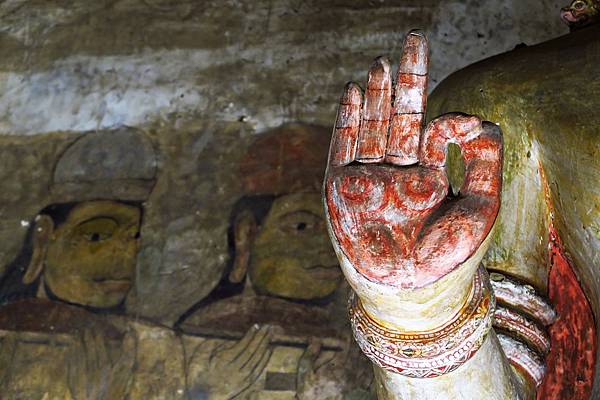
{"x":91,"y":256}
{"x":292,"y":256}
{"x":579,"y":13}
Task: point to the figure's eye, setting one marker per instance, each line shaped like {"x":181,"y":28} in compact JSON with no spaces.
{"x":96,"y":236}
{"x":579,"y":5}
{"x":299,"y":221}
{"x":97,"y":229}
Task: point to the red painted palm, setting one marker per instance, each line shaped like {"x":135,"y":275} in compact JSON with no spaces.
{"x":386,"y":190}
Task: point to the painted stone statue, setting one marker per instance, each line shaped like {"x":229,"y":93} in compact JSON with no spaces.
{"x":548,"y":230}
{"x":284,"y":273}
{"x":411,"y":249}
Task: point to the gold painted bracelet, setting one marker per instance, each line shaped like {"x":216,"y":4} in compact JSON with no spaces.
{"x":433,"y":353}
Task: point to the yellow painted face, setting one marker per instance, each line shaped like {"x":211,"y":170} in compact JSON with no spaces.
{"x":91,"y":256}
{"x":292,"y":256}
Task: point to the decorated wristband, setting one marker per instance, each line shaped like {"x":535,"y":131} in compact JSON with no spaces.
{"x":433,"y":353}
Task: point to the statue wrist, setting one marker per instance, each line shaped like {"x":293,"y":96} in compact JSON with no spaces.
{"x":432,"y":352}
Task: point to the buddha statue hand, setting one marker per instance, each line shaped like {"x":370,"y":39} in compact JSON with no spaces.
{"x":93,"y":374}
{"x":410,"y":250}
{"x":386,"y":191}
{"x":232,"y":367}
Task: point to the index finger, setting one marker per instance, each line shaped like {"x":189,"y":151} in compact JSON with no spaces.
{"x":408,"y":113}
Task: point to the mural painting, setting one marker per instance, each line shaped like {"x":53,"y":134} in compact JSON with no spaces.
{"x":275,"y":326}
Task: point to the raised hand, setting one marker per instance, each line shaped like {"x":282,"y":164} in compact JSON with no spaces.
{"x":230,"y":368}
{"x":386,"y":190}
{"x":328,"y":372}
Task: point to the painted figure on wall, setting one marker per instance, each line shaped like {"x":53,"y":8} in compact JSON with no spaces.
{"x":62,"y":299}
{"x":82,"y":254}
{"x":285,"y":273}
{"x":79,"y":259}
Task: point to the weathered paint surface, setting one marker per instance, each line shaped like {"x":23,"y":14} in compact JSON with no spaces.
{"x":428,"y":354}
{"x":522,"y":297}
{"x":572,"y":361}
{"x":548,"y":116}
{"x":523,"y":328}
{"x":396,"y":225}
{"x":520,"y":320}
{"x":485,"y":376}
{"x":137,"y":62}
{"x":200,"y":78}
{"x":523,"y":359}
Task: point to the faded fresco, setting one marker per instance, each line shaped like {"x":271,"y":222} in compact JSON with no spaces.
{"x":162,"y":231}
{"x":274,"y":322}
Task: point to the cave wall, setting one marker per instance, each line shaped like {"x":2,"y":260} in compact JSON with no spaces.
{"x":201,"y":80}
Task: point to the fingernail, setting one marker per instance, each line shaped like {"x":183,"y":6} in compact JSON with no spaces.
{"x":379,"y":74}
{"x":352,"y":94}
{"x":417,"y":32}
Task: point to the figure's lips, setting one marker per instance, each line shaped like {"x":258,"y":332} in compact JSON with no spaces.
{"x":568,"y":16}
{"x":113,"y":285}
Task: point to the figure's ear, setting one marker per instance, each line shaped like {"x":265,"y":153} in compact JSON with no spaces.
{"x":244,"y":233}
{"x":42,"y":230}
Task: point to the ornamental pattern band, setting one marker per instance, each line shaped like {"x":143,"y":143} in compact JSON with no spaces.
{"x":433,"y":353}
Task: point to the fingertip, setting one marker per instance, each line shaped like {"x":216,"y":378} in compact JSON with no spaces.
{"x":380,"y":74}
{"x":415,"y":54}
{"x":492,"y":129}
{"x":352,"y":94}
{"x":343,"y":143}
{"x":381,"y":62}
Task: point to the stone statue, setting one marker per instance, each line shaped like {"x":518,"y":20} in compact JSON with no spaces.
{"x":547,"y":233}
{"x":422,"y":309}
{"x":281,"y":252}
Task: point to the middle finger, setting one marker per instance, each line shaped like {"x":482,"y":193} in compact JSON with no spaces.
{"x":372,"y":136}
